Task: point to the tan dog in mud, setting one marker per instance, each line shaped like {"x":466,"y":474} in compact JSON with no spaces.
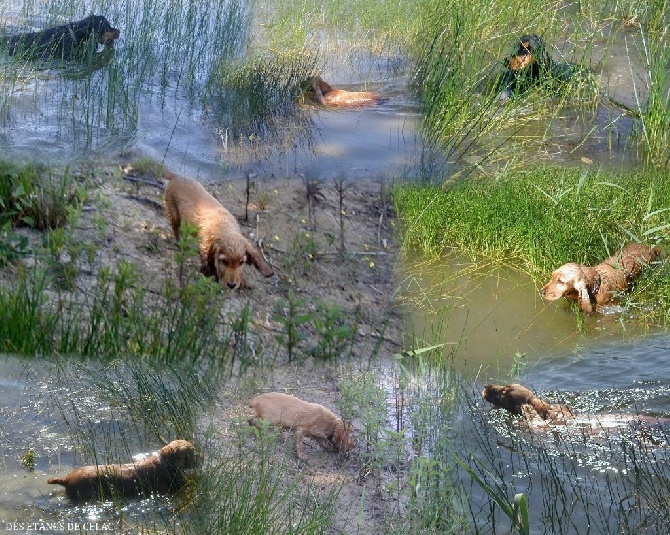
{"x":324,"y":94}
{"x":223,"y":249}
{"x":597,"y":285}
{"x":307,"y":419}
{"x":161,"y":472}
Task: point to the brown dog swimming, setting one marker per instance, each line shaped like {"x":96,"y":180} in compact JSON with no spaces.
{"x":161,"y":472}
{"x":593,"y":286}
{"x":324,"y":94}
{"x":518,"y":400}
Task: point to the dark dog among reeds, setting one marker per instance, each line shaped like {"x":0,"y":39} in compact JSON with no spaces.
{"x":161,"y":472}
{"x":63,"y":42}
{"x":531,"y":64}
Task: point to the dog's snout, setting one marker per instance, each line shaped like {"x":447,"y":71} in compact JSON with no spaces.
{"x":543,"y":290}
{"x":232,"y":285}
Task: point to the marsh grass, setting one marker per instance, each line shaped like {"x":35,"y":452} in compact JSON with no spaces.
{"x":37,"y":195}
{"x":256,"y":492}
{"x":542,"y":218}
{"x":459,"y":62}
{"x":258,"y":95}
{"x":117,"y":318}
{"x":408,"y":431}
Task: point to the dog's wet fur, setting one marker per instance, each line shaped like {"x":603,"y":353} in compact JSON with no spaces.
{"x":519,"y":400}
{"x":65,"y":41}
{"x":595,"y":286}
{"x":161,"y":472}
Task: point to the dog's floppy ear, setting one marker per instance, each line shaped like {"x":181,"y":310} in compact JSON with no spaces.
{"x":584,"y":298}
{"x":255,"y":257}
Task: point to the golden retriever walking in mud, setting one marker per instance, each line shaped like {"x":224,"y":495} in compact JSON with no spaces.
{"x":307,"y":419}
{"x":223,"y":248}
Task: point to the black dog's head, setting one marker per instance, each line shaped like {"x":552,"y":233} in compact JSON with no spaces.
{"x":96,"y":25}
{"x":531,"y":51}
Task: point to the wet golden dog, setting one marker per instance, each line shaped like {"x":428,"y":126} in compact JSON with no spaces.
{"x":519,"y":400}
{"x":597,"y":285}
{"x":223,"y":249}
{"x":161,"y":472}
{"x":539,"y":414}
{"x":307,"y":419}
{"x":322,"y":93}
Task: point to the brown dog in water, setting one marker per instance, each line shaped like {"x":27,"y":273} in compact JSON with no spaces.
{"x":597,"y":285}
{"x":308,"y":419}
{"x":519,"y":400}
{"x":324,"y":94}
{"x":161,"y":472}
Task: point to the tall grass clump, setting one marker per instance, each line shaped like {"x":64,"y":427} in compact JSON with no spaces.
{"x":253,"y":492}
{"x":256,"y":94}
{"x":380,"y":27}
{"x":409,"y":424}
{"x":118,"y":317}
{"x":542,"y":218}
{"x":37,"y":195}
{"x":653,"y":127}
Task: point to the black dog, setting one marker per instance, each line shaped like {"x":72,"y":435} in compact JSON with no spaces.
{"x":63,"y":42}
{"x":531,"y":64}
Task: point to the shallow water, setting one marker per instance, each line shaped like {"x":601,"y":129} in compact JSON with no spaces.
{"x":55,"y":113}
{"x":37,"y":408}
{"x":491,"y":318}
{"x":613,"y":480}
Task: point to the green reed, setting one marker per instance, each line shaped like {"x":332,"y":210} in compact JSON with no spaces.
{"x":117,"y":318}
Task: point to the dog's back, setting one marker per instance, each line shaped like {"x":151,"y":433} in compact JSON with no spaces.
{"x":64,"y":40}
{"x":287,"y":411}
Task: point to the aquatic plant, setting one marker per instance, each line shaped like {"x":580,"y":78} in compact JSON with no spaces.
{"x":37,"y":195}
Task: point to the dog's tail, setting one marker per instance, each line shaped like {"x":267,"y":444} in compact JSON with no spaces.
{"x":57,"y":481}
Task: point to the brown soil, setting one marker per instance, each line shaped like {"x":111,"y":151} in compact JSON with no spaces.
{"x":319,"y":250}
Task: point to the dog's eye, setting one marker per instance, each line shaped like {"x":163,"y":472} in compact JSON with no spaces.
{"x":223,"y":260}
